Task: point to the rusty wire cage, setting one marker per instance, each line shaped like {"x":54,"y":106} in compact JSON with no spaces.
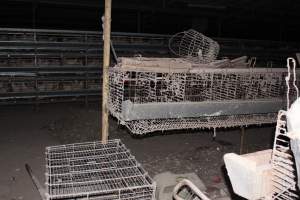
{"x":194,"y":46}
{"x":148,"y":101}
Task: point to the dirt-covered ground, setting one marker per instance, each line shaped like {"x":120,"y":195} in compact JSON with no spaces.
{"x":25,"y":133}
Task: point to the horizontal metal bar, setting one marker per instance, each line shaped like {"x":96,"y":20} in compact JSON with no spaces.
{"x":80,"y":32}
{"x":84,"y":98}
{"x":56,"y":68}
{"x":33,"y":78}
{"x":40,"y":94}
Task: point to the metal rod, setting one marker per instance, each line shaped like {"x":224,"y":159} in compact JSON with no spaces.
{"x":194,"y":190}
{"x":36,"y":182}
{"x":113,"y":52}
{"x":106,"y":59}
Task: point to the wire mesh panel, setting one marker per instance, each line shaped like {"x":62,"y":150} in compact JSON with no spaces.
{"x":284,"y":173}
{"x":95,"y":171}
{"x":152,"y":125}
{"x":194,"y":46}
{"x":148,"y":101}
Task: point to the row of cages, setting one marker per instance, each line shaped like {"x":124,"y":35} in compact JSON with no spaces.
{"x":54,"y":61}
{"x":84,"y":97}
{"x":212,"y":98}
{"x":44,"y":91}
{"x":8,"y":87}
{"x":215,"y":85}
{"x":60,"y":65}
{"x":77,"y":37}
{"x":37,"y":60}
{"x":48,"y":66}
{"x":95,"y":37}
{"x":31,"y":44}
{"x":90,"y":42}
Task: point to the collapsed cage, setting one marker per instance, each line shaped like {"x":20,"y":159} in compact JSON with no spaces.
{"x":94,"y":170}
{"x":147,"y":99}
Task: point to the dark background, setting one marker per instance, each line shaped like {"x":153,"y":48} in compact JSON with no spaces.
{"x":265,"y":19}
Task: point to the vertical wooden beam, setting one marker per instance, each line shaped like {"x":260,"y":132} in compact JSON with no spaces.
{"x":106,"y":60}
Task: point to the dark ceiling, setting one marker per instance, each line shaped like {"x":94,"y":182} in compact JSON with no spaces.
{"x":264,"y":19}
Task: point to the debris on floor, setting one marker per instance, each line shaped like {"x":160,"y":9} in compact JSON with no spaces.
{"x":166,"y":182}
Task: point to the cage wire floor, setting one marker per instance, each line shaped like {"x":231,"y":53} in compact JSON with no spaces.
{"x":95,"y":171}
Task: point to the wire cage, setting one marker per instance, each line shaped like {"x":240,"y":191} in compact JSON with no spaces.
{"x":149,"y":101}
{"x":194,"y":46}
{"x":96,"y":171}
{"x":284,"y":173}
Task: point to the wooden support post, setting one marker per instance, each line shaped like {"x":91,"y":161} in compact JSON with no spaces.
{"x":242,"y":140}
{"x":106,"y":60}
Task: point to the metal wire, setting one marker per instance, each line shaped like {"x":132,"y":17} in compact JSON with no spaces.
{"x":186,"y":190}
{"x":194,"y":46}
{"x":95,"y":171}
{"x":283,"y":167}
{"x":148,"y":126}
{"x":284,"y":173}
{"x":205,"y":85}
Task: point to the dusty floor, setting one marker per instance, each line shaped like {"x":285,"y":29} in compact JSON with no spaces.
{"x":26,"y":132}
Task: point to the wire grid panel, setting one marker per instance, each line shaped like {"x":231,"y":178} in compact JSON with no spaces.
{"x":284,"y":175}
{"x":207,"y":85}
{"x":148,"y":126}
{"x":96,"y":171}
{"x":194,"y":46}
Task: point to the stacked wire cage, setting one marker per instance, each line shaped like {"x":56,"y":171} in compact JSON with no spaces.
{"x":95,"y":170}
{"x":148,"y":101}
